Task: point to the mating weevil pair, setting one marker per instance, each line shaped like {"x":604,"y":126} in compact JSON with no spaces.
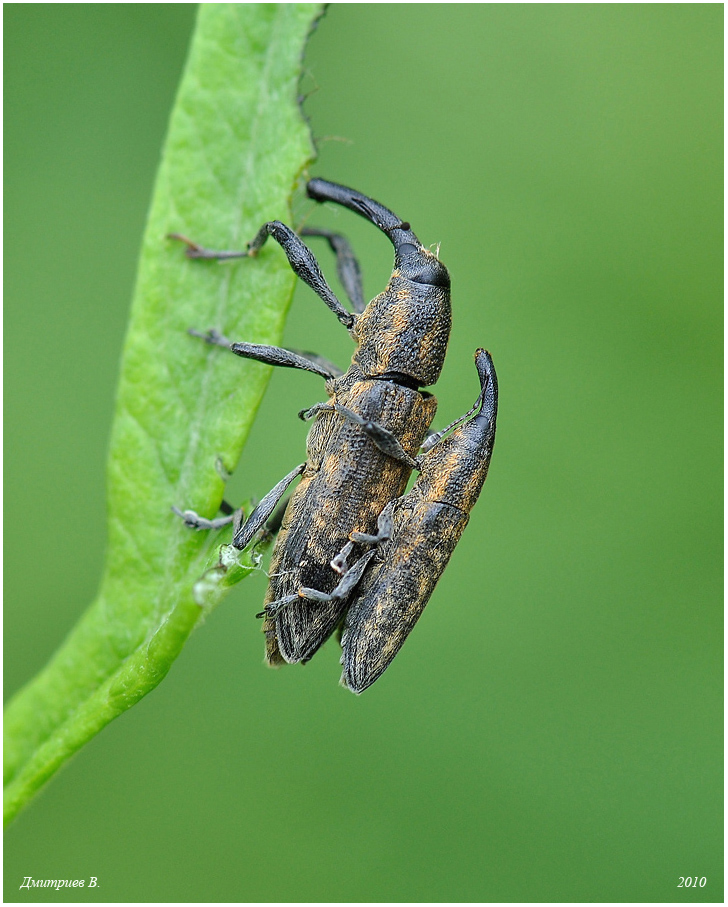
{"x":354,"y":551}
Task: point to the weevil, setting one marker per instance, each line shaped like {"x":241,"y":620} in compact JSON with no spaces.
{"x":361,"y":450}
{"x":362,"y":445}
{"x":417,"y":534}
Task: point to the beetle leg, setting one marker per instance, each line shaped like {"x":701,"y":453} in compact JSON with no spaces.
{"x":434,"y":437}
{"x":195,"y":521}
{"x":195,"y":250}
{"x":486,"y":404}
{"x":345,"y":585}
{"x":382,"y":437}
{"x":331,"y":367}
{"x":307,"y":414}
{"x":347,"y":266}
{"x":272,"y":526}
{"x":430,"y":433}
{"x":272,"y":608}
{"x":300,"y":258}
{"x":271,"y":355}
{"x":268,"y":514}
{"x":343,"y":589}
{"x":385,"y":525}
{"x":303,"y":263}
{"x":213,"y":337}
{"x":340,"y":562}
{"x":262,"y":512}
{"x":275,"y":355}
{"x":276,"y":519}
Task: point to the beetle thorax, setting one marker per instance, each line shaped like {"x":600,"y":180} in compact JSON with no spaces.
{"x":405,"y":331}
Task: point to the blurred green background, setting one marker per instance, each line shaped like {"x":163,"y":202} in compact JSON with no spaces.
{"x":552,"y":729}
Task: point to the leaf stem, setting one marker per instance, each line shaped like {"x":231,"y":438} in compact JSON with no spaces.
{"x":236,"y":145}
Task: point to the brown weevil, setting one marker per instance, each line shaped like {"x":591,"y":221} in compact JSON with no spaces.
{"x":349,"y":506}
{"x":417,"y":534}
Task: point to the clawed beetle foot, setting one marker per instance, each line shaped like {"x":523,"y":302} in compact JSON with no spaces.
{"x":195,"y":521}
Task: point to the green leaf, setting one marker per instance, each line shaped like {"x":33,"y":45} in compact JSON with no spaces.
{"x":237,"y":143}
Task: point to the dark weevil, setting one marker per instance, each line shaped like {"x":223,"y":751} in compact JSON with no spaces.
{"x":417,"y":534}
{"x":361,"y":450}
